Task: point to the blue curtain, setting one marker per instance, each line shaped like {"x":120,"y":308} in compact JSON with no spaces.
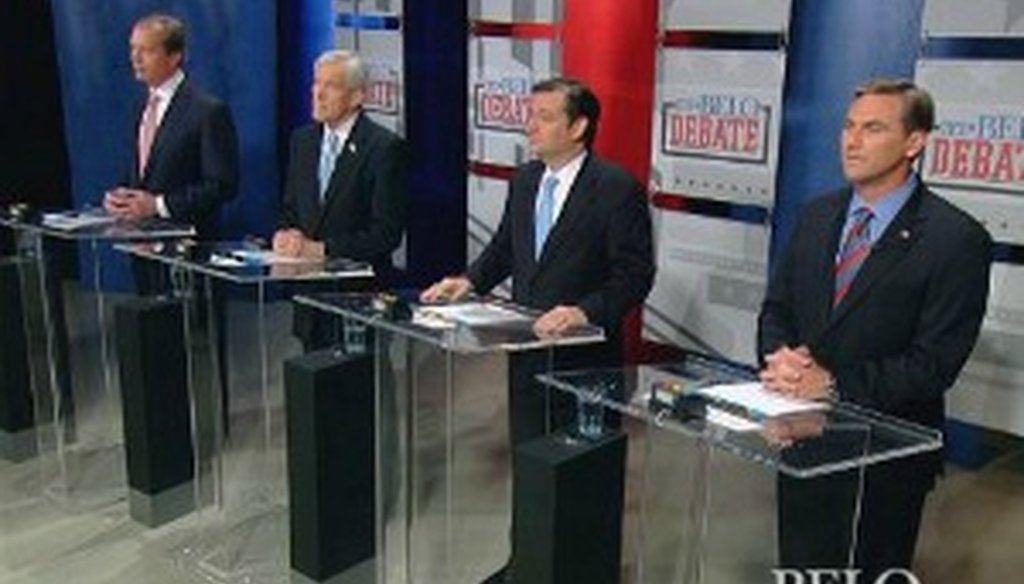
{"x":834,"y":46}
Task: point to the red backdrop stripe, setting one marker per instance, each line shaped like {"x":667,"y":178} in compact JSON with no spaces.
{"x":610,"y":45}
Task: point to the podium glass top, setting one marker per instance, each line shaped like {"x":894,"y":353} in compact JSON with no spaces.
{"x":245,"y":263}
{"x":838,"y":436}
{"x":479,"y":325}
{"x":94,"y":224}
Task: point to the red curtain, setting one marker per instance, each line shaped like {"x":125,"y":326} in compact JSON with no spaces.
{"x":610,"y":45}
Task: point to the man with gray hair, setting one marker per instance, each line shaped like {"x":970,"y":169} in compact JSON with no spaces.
{"x":345,"y":191}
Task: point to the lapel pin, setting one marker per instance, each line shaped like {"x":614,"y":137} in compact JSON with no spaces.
{"x":905,"y":234}
{"x":352,"y":147}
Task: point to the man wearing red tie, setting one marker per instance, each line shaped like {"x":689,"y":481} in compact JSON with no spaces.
{"x":877,"y":300}
{"x":185,"y":154}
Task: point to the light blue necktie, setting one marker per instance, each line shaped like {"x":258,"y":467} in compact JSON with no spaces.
{"x":328,"y":155}
{"x":544,"y":214}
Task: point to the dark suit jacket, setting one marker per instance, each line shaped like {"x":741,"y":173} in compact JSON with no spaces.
{"x":899,"y":338}
{"x":598,"y":255}
{"x":363,"y":215}
{"x":194,"y":158}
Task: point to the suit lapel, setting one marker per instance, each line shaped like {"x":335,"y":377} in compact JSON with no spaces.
{"x":344,"y":174}
{"x":170,"y":125}
{"x":580,"y":197}
{"x":886,"y":254}
{"x":825,"y":249}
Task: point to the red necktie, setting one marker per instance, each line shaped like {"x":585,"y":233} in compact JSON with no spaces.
{"x":855,"y":250}
{"x":147,"y":131}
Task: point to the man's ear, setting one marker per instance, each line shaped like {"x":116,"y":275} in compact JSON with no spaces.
{"x":578,"y":128}
{"x":916,"y":143}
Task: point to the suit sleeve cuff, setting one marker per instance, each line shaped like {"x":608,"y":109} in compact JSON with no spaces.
{"x":161,"y":207}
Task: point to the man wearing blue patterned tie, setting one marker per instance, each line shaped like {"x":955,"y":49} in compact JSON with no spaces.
{"x":345,"y":192}
{"x":877,"y":300}
{"x":575,"y":237}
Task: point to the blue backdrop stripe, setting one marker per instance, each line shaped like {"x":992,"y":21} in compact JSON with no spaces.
{"x":835,"y":45}
{"x":367,"y":21}
{"x":988,"y":49}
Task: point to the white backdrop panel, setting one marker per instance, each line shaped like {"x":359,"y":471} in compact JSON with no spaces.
{"x":990,"y":391}
{"x":716,"y":124}
{"x":501,"y":72}
{"x":516,"y":10}
{"x":976,"y":154}
{"x":732,"y":15}
{"x":709,"y":284}
{"x":974,"y":18}
{"x":381,"y":51}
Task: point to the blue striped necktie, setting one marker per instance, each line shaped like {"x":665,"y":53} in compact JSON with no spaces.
{"x":854,"y":251}
{"x":328,"y":156}
{"x":544,"y":214}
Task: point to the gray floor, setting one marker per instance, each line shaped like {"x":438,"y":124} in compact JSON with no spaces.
{"x":972,"y":531}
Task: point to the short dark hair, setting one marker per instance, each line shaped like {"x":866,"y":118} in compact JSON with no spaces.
{"x":173,"y":29}
{"x":580,"y":101}
{"x":918,"y":107}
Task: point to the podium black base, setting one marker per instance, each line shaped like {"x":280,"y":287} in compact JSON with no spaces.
{"x":362,"y":573}
{"x":163,"y":507}
{"x":332,"y":493}
{"x":154,"y":396}
{"x":567,"y":513}
{"x":17,"y":446}
{"x":17,"y":419}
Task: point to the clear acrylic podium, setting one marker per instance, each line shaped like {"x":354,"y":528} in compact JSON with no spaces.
{"x":239,"y":488}
{"x":71,"y":359}
{"x":701,"y":487}
{"x":441,"y":449}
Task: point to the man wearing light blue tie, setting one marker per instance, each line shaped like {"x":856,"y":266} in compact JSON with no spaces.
{"x":575,"y":237}
{"x":345,"y":191}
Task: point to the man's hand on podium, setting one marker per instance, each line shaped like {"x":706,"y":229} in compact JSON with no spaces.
{"x":293,"y":243}
{"x":133,"y":204}
{"x":558,"y":320}
{"x":795,"y":373}
{"x":449,"y":289}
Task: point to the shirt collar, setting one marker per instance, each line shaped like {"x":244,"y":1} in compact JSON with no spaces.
{"x":167,"y":89}
{"x":567,"y":173}
{"x":343,"y":129}
{"x":886,"y":208}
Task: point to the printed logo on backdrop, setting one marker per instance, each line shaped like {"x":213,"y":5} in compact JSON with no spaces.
{"x":977,"y":148}
{"x":382,"y":88}
{"x":717,"y":125}
{"x":502,"y":104}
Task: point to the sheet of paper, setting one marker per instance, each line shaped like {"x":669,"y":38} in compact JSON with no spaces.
{"x":225,"y":261}
{"x":755,"y":398}
{"x":72,"y":220}
{"x":473,"y":314}
{"x":730,"y":421}
{"x":267,"y":257}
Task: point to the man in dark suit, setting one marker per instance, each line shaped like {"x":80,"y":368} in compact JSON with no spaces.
{"x":575,"y":237}
{"x":185,"y":159}
{"x":877,"y":300}
{"x":345,"y":191}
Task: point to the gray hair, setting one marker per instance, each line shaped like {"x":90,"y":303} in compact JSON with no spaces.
{"x":355,"y":74}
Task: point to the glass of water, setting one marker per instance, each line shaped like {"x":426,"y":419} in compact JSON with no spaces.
{"x":590,"y":410}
